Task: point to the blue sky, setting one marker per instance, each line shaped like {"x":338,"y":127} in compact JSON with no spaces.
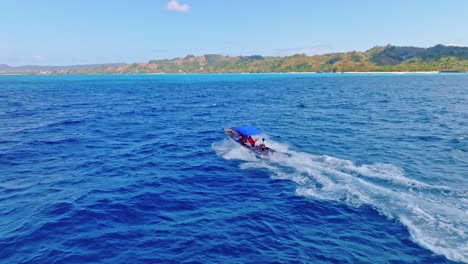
{"x":62,"y":32}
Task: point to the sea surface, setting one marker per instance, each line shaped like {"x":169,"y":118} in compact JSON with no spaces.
{"x":371,"y":168}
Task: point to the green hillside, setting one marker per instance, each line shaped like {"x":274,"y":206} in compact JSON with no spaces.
{"x":377,"y":59}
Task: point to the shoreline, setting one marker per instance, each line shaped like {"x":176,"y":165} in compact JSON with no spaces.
{"x":207,"y":73}
{"x":399,"y":72}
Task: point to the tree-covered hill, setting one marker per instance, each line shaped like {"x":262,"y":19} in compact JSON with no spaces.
{"x":377,"y":59}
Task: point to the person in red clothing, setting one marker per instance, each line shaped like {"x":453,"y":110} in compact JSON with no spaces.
{"x":251,"y":141}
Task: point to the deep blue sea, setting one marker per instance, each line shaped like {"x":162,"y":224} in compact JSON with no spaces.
{"x":372,"y":168}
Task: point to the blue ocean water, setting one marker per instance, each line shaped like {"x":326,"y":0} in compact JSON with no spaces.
{"x":137,"y":169}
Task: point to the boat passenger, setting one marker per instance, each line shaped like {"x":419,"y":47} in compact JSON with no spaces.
{"x":252,"y":141}
{"x":263,"y":146}
{"x":242,"y":139}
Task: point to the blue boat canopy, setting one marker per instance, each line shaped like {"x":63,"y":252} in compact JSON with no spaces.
{"x":248,"y":131}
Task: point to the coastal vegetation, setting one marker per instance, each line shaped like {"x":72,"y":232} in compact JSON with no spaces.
{"x":377,"y":59}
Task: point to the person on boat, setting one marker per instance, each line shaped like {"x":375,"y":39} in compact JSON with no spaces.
{"x":262,"y":145}
{"x":252,"y":141}
{"x":242,"y":139}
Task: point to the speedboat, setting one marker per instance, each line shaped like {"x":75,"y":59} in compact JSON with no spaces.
{"x":241,"y":136}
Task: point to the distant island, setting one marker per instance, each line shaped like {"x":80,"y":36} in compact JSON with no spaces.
{"x":388,"y":58}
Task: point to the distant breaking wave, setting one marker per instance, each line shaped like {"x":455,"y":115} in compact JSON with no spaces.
{"x":436,"y":216}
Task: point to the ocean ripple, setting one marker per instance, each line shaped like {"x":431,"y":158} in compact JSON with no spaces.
{"x":137,"y":169}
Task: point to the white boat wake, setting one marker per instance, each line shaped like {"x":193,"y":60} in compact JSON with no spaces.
{"x":436,"y":216}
